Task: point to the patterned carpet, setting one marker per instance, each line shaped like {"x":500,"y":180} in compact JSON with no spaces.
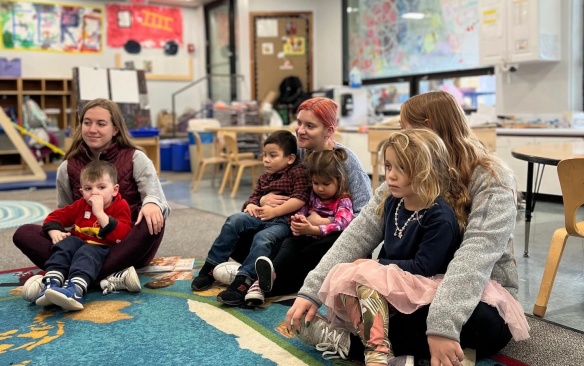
{"x":164,"y":326}
{"x":17,"y":213}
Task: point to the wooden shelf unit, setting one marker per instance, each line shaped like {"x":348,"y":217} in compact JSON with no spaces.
{"x":49,"y":93}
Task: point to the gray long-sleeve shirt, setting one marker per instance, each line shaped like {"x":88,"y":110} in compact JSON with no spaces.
{"x":486,"y":252}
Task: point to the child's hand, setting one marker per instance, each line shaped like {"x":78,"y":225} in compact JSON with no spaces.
{"x":301,"y":226}
{"x":266,"y":213}
{"x":252,"y":210}
{"x":96,"y":203}
{"x":297,"y":218}
{"x":316,"y":219}
{"x":57,"y":235}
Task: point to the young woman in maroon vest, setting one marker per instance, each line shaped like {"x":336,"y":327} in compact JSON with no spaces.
{"x":102,"y":135}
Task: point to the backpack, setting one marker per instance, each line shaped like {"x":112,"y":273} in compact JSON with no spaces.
{"x":290,"y":90}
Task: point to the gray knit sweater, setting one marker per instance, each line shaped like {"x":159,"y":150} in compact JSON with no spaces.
{"x":486,"y":252}
{"x":144,"y":174}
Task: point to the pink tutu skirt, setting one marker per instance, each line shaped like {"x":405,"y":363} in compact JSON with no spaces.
{"x":407,"y":292}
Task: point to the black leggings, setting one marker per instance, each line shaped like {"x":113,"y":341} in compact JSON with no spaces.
{"x":292,"y":259}
{"x":485,"y":332}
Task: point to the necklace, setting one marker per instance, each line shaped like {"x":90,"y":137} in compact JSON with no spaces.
{"x":399,"y":232}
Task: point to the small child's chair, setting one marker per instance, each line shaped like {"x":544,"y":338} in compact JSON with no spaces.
{"x":571,"y":175}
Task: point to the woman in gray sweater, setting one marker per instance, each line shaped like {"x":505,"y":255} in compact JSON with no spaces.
{"x":456,"y":318}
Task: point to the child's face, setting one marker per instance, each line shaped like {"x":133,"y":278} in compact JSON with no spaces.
{"x":102,"y":187}
{"x":274,"y":159}
{"x":396,"y":179}
{"x":325,"y":187}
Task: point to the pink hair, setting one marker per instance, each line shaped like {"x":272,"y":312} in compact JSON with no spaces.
{"x":324,"y":109}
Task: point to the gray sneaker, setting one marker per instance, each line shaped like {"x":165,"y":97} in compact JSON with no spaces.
{"x":332,"y":342}
{"x":225,"y":272}
{"x":126,"y":279}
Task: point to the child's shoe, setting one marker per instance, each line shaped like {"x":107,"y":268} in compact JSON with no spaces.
{"x":204,"y":279}
{"x":68,"y":297}
{"x":50,"y":283}
{"x":255,"y":295}
{"x":234,"y":295}
{"x":333,"y":342}
{"x":225,"y":272}
{"x":32,"y":288}
{"x":266,"y":275}
{"x":126,"y":279}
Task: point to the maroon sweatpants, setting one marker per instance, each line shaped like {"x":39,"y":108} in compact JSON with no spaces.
{"x":136,"y":250}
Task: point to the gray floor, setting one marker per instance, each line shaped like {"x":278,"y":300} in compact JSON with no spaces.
{"x":566,"y":305}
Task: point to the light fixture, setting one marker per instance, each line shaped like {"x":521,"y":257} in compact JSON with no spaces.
{"x":411,"y":15}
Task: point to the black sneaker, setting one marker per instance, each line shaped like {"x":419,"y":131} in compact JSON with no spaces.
{"x":204,"y":279}
{"x":235,"y":293}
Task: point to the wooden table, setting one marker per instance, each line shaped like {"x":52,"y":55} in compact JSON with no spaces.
{"x":542,"y":155}
{"x":378,"y":134}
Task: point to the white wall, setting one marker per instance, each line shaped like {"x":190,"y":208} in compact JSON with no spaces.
{"x":548,"y":87}
{"x":50,"y":64}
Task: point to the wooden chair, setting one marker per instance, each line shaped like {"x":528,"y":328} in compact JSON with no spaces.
{"x":216,"y":160}
{"x":571,"y":174}
{"x":236,"y":161}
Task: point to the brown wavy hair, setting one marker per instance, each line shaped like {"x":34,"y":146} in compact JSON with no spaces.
{"x":329,"y":164}
{"x":122,"y":137}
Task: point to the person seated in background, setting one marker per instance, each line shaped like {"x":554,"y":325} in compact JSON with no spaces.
{"x":329,"y":210}
{"x":269,"y":225}
{"x":102,"y":134}
{"x":100,"y":219}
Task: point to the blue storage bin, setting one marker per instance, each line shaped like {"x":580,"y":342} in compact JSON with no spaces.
{"x":181,"y":161}
{"x":145,"y":132}
{"x":165,"y":155}
{"x":206,"y":138}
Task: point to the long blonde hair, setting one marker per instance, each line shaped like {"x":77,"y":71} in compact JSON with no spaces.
{"x":424,"y":159}
{"x":122,"y":137}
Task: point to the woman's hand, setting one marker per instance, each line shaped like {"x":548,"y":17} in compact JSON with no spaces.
{"x":153,"y":216}
{"x":273,"y":200}
{"x":58,"y":235}
{"x":301,"y":306}
{"x":444,"y":351}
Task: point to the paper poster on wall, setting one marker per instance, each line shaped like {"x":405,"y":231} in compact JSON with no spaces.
{"x":124,"y":86}
{"x":52,"y":27}
{"x":267,"y":28}
{"x":93,"y":83}
{"x":295,"y":46}
{"x":151,"y":26}
{"x":267,"y":48}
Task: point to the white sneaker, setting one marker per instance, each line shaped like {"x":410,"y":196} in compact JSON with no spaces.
{"x":255,"y":295}
{"x":126,"y":279}
{"x":32,"y":288}
{"x":265,"y":272}
{"x":225,"y":272}
{"x":332,"y":342}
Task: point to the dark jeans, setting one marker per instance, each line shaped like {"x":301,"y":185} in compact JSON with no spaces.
{"x":137,"y":250}
{"x":267,"y":233}
{"x":74,"y":258}
{"x":291,"y":266}
{"x":485,"y":331}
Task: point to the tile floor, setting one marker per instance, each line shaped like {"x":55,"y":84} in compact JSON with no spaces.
{"x":566,"y":305}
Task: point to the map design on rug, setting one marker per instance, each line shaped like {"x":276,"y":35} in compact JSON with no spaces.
{"x":17,"y":213}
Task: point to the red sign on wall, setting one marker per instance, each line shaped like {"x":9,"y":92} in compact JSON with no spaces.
{"x":151,"y":26}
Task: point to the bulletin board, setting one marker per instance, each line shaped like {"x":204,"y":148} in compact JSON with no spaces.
{"x":281,"y":47}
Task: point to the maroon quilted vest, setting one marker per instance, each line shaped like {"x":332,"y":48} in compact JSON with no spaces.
{"x":122,"y":159}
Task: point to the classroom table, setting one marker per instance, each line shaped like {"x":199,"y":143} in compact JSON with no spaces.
{"x":542,"y":155}
{"x":378,"y":134}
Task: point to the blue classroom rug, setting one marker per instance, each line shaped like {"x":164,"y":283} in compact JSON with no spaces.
{"x":17,"y":213}
{"x":164,"y":326}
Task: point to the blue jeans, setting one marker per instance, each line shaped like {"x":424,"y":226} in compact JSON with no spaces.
{"x":267,"y":234}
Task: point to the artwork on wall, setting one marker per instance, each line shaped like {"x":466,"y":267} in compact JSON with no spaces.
{"x":32,"y":26}
{"x":151,"y":26}
{"x":390,"y":38}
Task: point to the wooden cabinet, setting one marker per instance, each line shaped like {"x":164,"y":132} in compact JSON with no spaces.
{"x":53,"y":95}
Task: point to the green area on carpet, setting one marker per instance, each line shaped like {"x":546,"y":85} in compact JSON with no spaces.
{"x":164,"y":326}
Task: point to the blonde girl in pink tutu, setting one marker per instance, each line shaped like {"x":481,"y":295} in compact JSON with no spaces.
{"x":423,"y":300}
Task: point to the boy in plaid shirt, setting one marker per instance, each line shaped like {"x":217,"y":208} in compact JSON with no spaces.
{"x":284,"y":175}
